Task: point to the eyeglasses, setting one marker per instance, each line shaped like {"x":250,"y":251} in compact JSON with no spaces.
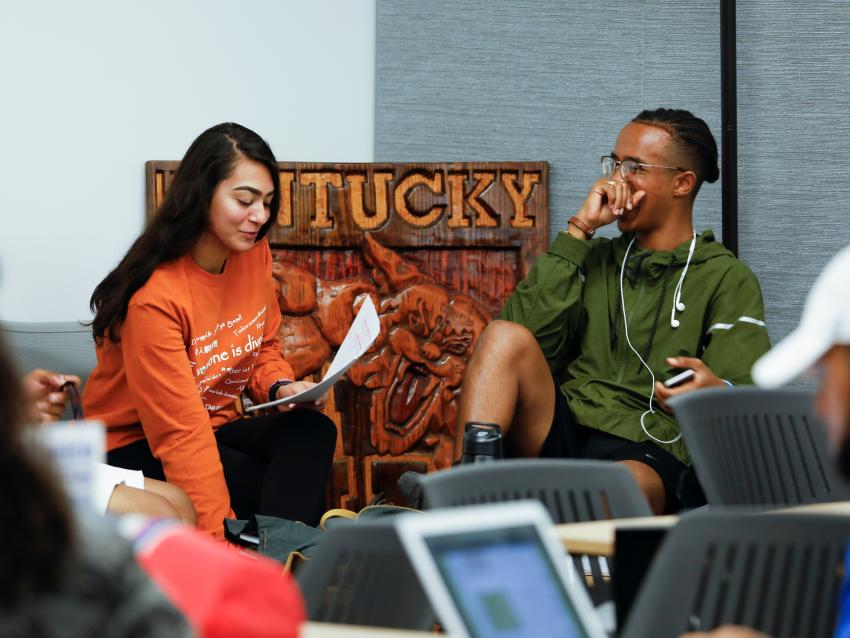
{"x":628,"y":167}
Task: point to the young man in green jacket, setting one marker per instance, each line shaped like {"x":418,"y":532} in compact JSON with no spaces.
{"x":609,"y":319}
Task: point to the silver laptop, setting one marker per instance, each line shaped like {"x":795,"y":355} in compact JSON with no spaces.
{"x":498,"y":570}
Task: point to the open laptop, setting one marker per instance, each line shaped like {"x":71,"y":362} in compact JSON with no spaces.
{"x":498,"y":570}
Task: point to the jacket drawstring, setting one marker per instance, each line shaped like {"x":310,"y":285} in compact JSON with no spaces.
{"x":615,"y":323}
{"x":666,"y":278}
{"x":615,"y":320}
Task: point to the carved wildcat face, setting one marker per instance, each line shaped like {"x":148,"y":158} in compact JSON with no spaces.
{"x":417,"y":374}
{"x":414,"y":371}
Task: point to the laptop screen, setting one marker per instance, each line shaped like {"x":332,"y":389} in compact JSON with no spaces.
{"x":504,"y":584}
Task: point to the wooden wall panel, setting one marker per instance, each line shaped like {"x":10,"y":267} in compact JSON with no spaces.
{"x":438,"y":247}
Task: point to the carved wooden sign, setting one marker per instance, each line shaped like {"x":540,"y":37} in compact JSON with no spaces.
{"x":439,"y":248}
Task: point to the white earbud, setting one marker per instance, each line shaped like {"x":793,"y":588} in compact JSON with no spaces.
{"x":678,"y":304}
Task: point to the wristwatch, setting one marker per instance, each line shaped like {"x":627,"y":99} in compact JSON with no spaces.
{"x":276,"y":386}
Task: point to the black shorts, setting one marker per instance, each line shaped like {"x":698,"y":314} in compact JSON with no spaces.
{"x":568,"y":439}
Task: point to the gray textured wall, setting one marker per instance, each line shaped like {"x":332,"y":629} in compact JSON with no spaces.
{"x":555,"y":81}
{"x":794,"y":132}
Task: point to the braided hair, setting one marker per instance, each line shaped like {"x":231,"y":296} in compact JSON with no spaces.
{"x":692,"y":138}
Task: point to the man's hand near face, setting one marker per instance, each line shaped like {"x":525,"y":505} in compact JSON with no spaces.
{"x":606,"y":201}
{"x":703,"y":378}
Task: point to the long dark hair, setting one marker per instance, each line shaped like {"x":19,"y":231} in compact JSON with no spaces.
{"x":693,"y":138}
{"x":35,"y":517}
{"x":181,"y":218}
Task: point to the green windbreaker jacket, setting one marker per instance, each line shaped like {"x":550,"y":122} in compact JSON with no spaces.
{"x":570,"y":301}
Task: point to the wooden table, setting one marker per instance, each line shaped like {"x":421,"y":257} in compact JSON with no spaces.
{"x":312,"y":629}
{"x":597,"y":537}
{"x":840,"y":508}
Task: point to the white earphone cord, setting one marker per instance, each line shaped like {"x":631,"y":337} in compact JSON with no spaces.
{"x":677,"y":305}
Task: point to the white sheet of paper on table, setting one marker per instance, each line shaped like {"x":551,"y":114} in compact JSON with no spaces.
{"x":362,"y":334}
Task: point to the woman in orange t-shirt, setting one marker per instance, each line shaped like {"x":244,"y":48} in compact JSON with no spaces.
{"x":186,"y":322}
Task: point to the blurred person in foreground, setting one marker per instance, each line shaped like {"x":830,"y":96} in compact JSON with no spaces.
{"x":76,"y":575}
{"x":63,"y":575}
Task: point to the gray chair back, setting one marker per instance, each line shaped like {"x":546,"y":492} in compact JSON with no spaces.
{"x":777,"y":573}
{"x":63,"y":346}
{"x":360,"y":575}
{"x":758,"y":447}
{"x":571,"y":490}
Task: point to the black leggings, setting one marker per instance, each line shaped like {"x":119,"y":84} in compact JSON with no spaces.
{"x":277,"y":465}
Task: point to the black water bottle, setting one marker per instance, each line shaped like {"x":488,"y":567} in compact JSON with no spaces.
{"x":482,"y":441}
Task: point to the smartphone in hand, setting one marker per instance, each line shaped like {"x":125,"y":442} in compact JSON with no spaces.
{"x":678,"y":377}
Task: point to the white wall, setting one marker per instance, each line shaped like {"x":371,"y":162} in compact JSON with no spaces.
{"x":93,"y":88}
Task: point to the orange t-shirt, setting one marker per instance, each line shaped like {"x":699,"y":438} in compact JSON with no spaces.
{"x":191,"y":343}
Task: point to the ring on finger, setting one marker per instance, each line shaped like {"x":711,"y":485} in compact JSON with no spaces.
{"x":611,"y":182}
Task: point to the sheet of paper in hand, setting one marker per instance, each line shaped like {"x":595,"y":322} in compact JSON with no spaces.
{"x":362,"y":334}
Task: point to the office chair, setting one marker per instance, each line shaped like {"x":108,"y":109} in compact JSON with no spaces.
{"x":571,"y":490}
{"x":360,"y":575}
{"x":777,"y":573}
{"x":758,"y":447}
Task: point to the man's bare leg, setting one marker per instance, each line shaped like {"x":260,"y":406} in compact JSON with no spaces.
{"x":508,"y":382}
{"x":650,"y":484}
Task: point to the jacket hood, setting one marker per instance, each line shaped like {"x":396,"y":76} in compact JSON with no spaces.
{"x":654,"y":263}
